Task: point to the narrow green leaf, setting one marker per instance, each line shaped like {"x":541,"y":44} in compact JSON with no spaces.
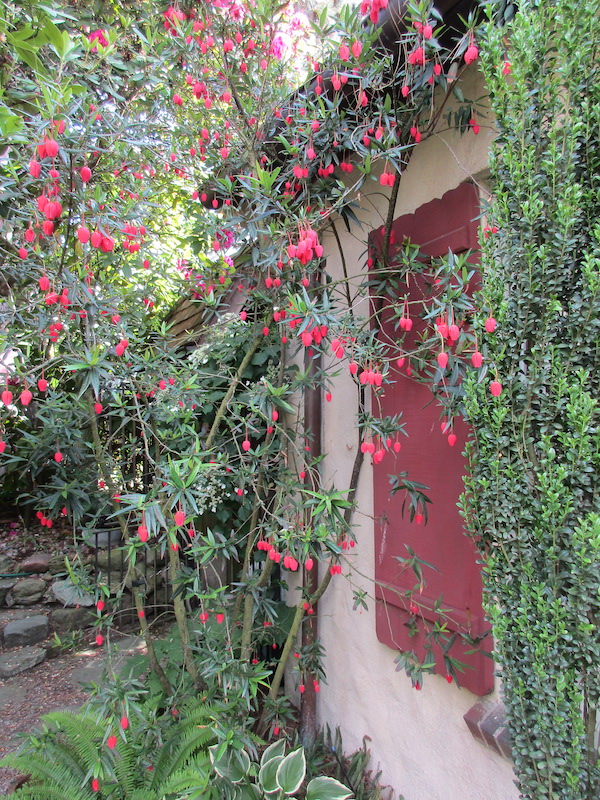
{"x":54,"y":36}
{"x":30,"y":58}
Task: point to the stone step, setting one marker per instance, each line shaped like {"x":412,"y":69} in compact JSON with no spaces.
{"x":26,"y":592}
{"x":29,"y":630}
{"x":15,"y":661}
{"x":58,"y":620}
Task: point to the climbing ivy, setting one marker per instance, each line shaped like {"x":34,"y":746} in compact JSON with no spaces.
{"x":532,"y":500}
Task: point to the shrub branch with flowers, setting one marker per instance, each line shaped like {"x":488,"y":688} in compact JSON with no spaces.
{"x":207,"y":150}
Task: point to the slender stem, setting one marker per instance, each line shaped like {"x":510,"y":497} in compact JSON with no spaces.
{"x":249,"y":609}
{"x":279,"y":672}
{"x":179,"y":608}
{"x":236,"y":98}
{"x":590,"y":717}
{"x":356,"y":468}
{"x":181,"y":616}
{"x":324,"y":583}
{"x":247,"y":555}
{"x":247,"y":595}
{"x":344,"y":268}
{"x":132,"y":570}
{"x":231,"y":391}
{"x":389,"y":221}
{"x":69,"y":223}
{"x":246,"y":643}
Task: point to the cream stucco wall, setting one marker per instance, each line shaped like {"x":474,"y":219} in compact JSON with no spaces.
{"x":419,"y":740}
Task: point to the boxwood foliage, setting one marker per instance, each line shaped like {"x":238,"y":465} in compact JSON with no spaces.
{"x":532,"y":501}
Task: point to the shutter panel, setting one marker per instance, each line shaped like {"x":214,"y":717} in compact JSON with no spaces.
{"x":447,"y":223}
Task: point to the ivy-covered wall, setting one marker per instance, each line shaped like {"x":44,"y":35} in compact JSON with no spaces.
{"x":533,"y":502}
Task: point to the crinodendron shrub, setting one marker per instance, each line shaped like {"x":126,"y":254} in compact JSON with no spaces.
{"x":533,"y":498}
{"x":201,"y":150}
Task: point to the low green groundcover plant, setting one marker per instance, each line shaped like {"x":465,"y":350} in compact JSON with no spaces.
{"x":153,"y":754}
{"x":159,"y":755}
{"x":277,"y":776}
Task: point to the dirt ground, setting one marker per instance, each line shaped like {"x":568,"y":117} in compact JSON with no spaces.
{"x":57,"y":682}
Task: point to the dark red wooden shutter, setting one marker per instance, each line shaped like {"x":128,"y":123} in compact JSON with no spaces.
{"x":447,"y":223}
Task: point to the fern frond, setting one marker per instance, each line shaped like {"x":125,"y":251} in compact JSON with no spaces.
{"x":61,"y":760}
{"x":63,"y":752}
{"x":44,"y":769}
{"x":197,"y":712}
{"x":79,"y":731}
{"x":125,"y":766}
{"x":45,"y":792}
{"x":143,"y":794}
{"x":191,"y":735}
{"x":195,"y":779}
{"x":188,"y":744}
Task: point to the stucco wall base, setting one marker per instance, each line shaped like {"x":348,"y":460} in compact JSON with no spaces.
{"x":419,"y":739}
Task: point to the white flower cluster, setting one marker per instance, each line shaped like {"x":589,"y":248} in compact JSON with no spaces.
{"x":210,"y":488}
